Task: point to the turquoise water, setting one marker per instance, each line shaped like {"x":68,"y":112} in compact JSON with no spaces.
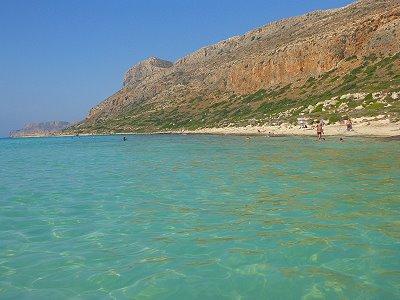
{"x":199,"y":217}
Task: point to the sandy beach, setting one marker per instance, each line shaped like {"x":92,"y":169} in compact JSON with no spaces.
{"x":364,"y":127}
{"x":361,"y":127}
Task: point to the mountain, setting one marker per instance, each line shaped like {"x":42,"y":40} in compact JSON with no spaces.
{"x":270,"y":75}
{"x":40,"y":129}
{"x":144,"y":69}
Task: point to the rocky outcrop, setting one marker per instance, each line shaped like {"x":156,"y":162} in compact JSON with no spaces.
{"x":278,"y":54}
{"x":39,"y":129}
{"x":148,"y":67}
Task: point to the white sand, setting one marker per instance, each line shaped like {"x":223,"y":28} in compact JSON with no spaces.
{"x":361,"y":127}
{"x":381,"y":128}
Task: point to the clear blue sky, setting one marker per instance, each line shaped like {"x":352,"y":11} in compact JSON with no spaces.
{"x":59,"y":58}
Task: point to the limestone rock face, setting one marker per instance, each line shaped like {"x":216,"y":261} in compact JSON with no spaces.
{"x":144,"y":69}
{"x":280,"y":53}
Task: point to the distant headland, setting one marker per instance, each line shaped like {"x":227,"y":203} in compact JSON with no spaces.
{"x":40,"y":129}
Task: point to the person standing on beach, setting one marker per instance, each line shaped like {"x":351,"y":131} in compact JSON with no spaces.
{"x":320,"y":130}
{"x":349,"y":125}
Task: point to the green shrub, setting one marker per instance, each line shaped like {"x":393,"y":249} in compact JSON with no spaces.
{"x":278,"y":91}
{"x":217,"y":104}
{"x":376,"y":106}
{"x":333,"y":118}
{"x":310,"y":81}
{"x":380,"y":86}
{"x":241,"y":112}
{"x":334,"y":78}
{"x":318,"y":108}
{"x":371,"y":58}
{"x":350,"y":58}
{"x":347,"y":87}
{"x":195,"y":100}
{"x":276,"y":106}
{"x":327,"y":74}
{"x":368,"y":98}
{"x":390,"y":66}
{"x":349,"y":78}
{"x":259,"y":95}
{"x":370,"y":70}
{"x":352,"y":103}
{"x":356,"y":70}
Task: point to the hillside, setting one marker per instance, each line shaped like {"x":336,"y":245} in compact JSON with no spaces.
{"x":332,"y":64}
{"x":40,"y":129}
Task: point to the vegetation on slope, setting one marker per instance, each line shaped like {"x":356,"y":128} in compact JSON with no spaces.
{"x":364,"y":91}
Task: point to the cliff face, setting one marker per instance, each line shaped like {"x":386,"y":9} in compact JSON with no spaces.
{"x":39,"y":129}
{"x":287,"y":52}
{"x":146,"y":68}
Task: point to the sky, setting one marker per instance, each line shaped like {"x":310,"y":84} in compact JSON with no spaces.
{"x":59,"y":58}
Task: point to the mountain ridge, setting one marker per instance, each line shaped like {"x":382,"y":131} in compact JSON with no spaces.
{"x":288,"y":51}
{"x":145,"y":68}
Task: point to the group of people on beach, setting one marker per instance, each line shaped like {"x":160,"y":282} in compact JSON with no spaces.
{"x":320,"y":128}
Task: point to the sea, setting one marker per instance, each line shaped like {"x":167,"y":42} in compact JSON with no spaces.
{"x":199,"y":217}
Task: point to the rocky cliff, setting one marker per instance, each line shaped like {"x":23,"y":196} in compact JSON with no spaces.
{"x":39,"y":129}
{"x":286,"y":64}
{"x":148,"y":67}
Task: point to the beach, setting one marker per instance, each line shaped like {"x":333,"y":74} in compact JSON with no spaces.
{"x":363,"y":127}
{"x":368,"y":128}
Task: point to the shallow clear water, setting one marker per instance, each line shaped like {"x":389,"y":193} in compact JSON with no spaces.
{"x":199,"y":217}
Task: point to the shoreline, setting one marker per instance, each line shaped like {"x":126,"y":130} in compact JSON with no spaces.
{"x":381,"y":128}
{"x":374,"y":129}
